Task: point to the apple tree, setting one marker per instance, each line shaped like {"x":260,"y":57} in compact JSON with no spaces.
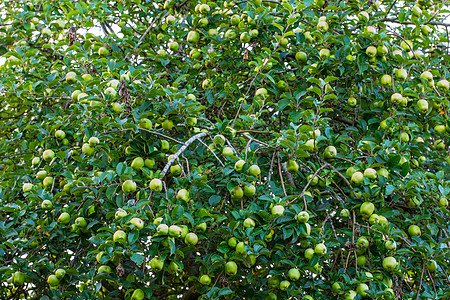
{"x":257,"y":149}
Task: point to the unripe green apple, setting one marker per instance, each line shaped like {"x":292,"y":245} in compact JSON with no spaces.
{"x":422,"y":106}
{"x":313,"y":181}
{"x":311,"y":145}
{"x":292,"y":166}
{"x":156,"y":263}
{"x":231,"y":268}
{"x":249,"y":190}
{"x":48,"y":155}
{"x":27,"y":187}
{"x":249,"y":223}
{"x":320,"y":249}
{"x":191,"y":239}
{"x":70,"y":77}
{"x":345,"y":213}
{"x":303,"y":216}
{"x":277,"y":210}
{"x":175,"y":231}
{"x":254,"y":170}
{"x":357,"y":178}
{"x":361,"y":260}
{"x":324,"y":53}
{"x":120,"y":237}
{"x":389,"y":263}
{"x":129,"y":186}
{"x":330,"y":152}
{"x":64,"y":218}
{"x":443,"y":202}
{"x":145,"y":123}
{"x":52,"y":280}
{"x":35,"y":161}
{"x":432,"y":266}
{"x":156,"y":185}
{"x":367,"y":209}
{"x":337,"y":288}
{"x":80,"y":222}
{"x":322,"y":26}
{"x":87,"y":149}
{"x":294,"y":274}
{"x":273,"y":282}
{"x":428,"y":77}
{"x":201,"y":227}
{"x":443,"y":84}
{"x":46,"y":205}
{"x":165,"y":146}
{"x":138,"y":223}
{"x":18,"y":278}
{"x":59,"y":134}
{"x":102,"y":51}
{"x":183,"y":194}
{"x":362,"y":289}
{"x":239,"y":165}
{"x":301,"y":57}
{"x":172,"y":268}
{"x":227,"y":151}
{"x":362,"y":242}
{"x":193,"y":37}
{"x":48,"y":181}
{"x":60,"y":273}
{"x":137,"y":163}
{"x":426,"y":30}
{"x":414,"y":230}
{"x":167,"y":124}
{"x":245,"y":37}
{"x":390,"y":245}
{"x":205,"y":280}
{"x":370,"y":173}
{"x":382,"y":50}
{"x":138,"y":294}
{"x":352,"y":101}
{"x":87,"y":77}
{"x":174,"y":46}
{"x":386,"y":80}
{"x":371,"y":51}
{"x":439,"y":144}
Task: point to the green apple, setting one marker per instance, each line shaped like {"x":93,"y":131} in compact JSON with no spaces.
{"x":277,"y":210}
{"x":205,"y":280}
{"x":352,"y":101}
{"x":149,"y":163}
{"x":249,"y":190}
{"x":116,"y":107}
{"x":345,"y":213}
{"x":322,"y":26}
{"x":167,"y":124}
{"x":292,"y":166}
{"x":362,"y":242}
{"x":390,"y":245}
{"x":294,"y":274}
{"x":27,"y":187}
{"x":87,"y":77}
{"x":232,"y":242}
{"x":191,"y":239}
{"x":350,"y":295}
{"x":60,"y":273}
{"x":80,"y":222}
{"x":129,"y":186}
{"x":156,"y":263}
{"x":201,"y":227}
{"x":46,"y":205}
{"x":156,"y":185}
{"x":145,"y":123}
{"x":397,"y":98}
{"x":337,"y":288}
{"x":64,"y":218}
{"x":443,"y":84}
{"x":103,"y":51}
{"x":330,"y":152}
{"x":362,"y":289}
{"x":367,"y":209}
{"x":249,"y":223}
{"x":273,"y":282}
{"x":52,"y":280}
{"x":162,"y":229}
{"x":174,"y":46}
{"x":231,"y":268}
{"x":227,"y":151}
{"x":374,"y":219}
{"x":320,"y":249}
{"x":120,"y":237}
{"x":120,"y":213}
{"x":432,"y":266}
{"x":370,"y":173}
{"x":18,"y":278}
{"x":301,"y":56}
{"x":193,"y":37}
{"x":439,"y":144}
{"x":361,"y":260}
{"x":357,"y":178}
{"x":137,"y":163}
{"x":309,"y":253}
{"x":303,"y":216}
{"x":324,"y":53}
{"x":183,"y":194}
{"x":70,"y":77}
{"x":138,"y":294}
{"x":371,"y":51}
{"x":422,"y":106}
{"x":138,"y":223}
{"x":443,"y":202}
{"x":254,"y":170}
{"x":175,"y":231}
{"x":59,"y":134}
{"x":311,"y":145}
{"x":428,"y":77}
{"x":48,"y":155}
{"x":87,"y":149}
{"x":245,"y":37}
{"x":237,"y":193}
{"x":414,"y":230}
{"x":386,"y":80}
{"x":35,"y":161}
{"x":389,"y":263}
{"x":284,"y":285}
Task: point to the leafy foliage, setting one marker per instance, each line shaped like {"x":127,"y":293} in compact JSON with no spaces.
{"x":305,"y":142}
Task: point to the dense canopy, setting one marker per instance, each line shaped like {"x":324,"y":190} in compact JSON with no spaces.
{"x":224,"y":150}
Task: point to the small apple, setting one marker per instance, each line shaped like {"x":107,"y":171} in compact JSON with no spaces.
{"x":52,"y":280}
{"x":443,"y":202}
{"x":320,"y":249}
{"x":422,"y":106}
{"x":362,"y":242}
{"x":439,"y":144}
{"x":120,"y":237}
{"x":46,"y":205}
{"x":357,"y":178}
{"x":294,"y":274}
{"x":70,"y":77}
{"x":205,"y":279}
{"x":311,"y":145}
{"x":60,"y":273}
{"x":80,"y":222}
{"x":273,"y":282}
{"x":162,"y":229}
{"x":156,"y":263}
{"x":309,"y":253}
{"x":277,"y":210}
{"x":191,"y":239}
{"x":64,"y":218}
{"x":87,"y":149}
{"x":201,"y":227}
{"x":116,"y":107}
{"x":352,"y":101}
{"x":386,"y":80}
{"x":87,"y":77}
{"x":292,"y":166}
{"x":231,"y":268}
{"x":48,"y":155}
{"x":443,"y":84}
{"x":183,"y":194}
{"x":175,"y":231}
{"x":432,"y":266}
{"x":330,"y":152}
{"x":193,"y":37}
{"x":145,"y":123}
{"x":345,"y":213}
{"x":337,"y":288}
{"x":370,"y":173}
{"x":249,"y":223}
{"x":389,"y":263}
{"x":322,"y":26}
{"x":284,"y":285}
{"x":156,"y":185}
{"x":138,"y":223}
{"x":18,"y":278}
{"x":301,"y":56}
{"x":414,"y":230}
{"x":167,"y":124}
{"x":27,"y":187}
{"x":254,"y":170}
{"x":138,"y":294}
{"x":367,"y":209}
{"x":249,"y":190}
{"x":35,"y":161}
{"x":129,"y":186}
{"x":303,"y":216}
{"x":362,"y":289}
{"x":374,"y":219}
{"x":324,"y":53}
{"x":59,"y":134}
{"x":371,"y":51}
{"x":103,"y":51}
{"x":390,"y":245}
{"x":137,"y":163}
{"x":120,"y":213}
{"x":149,"y":163}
